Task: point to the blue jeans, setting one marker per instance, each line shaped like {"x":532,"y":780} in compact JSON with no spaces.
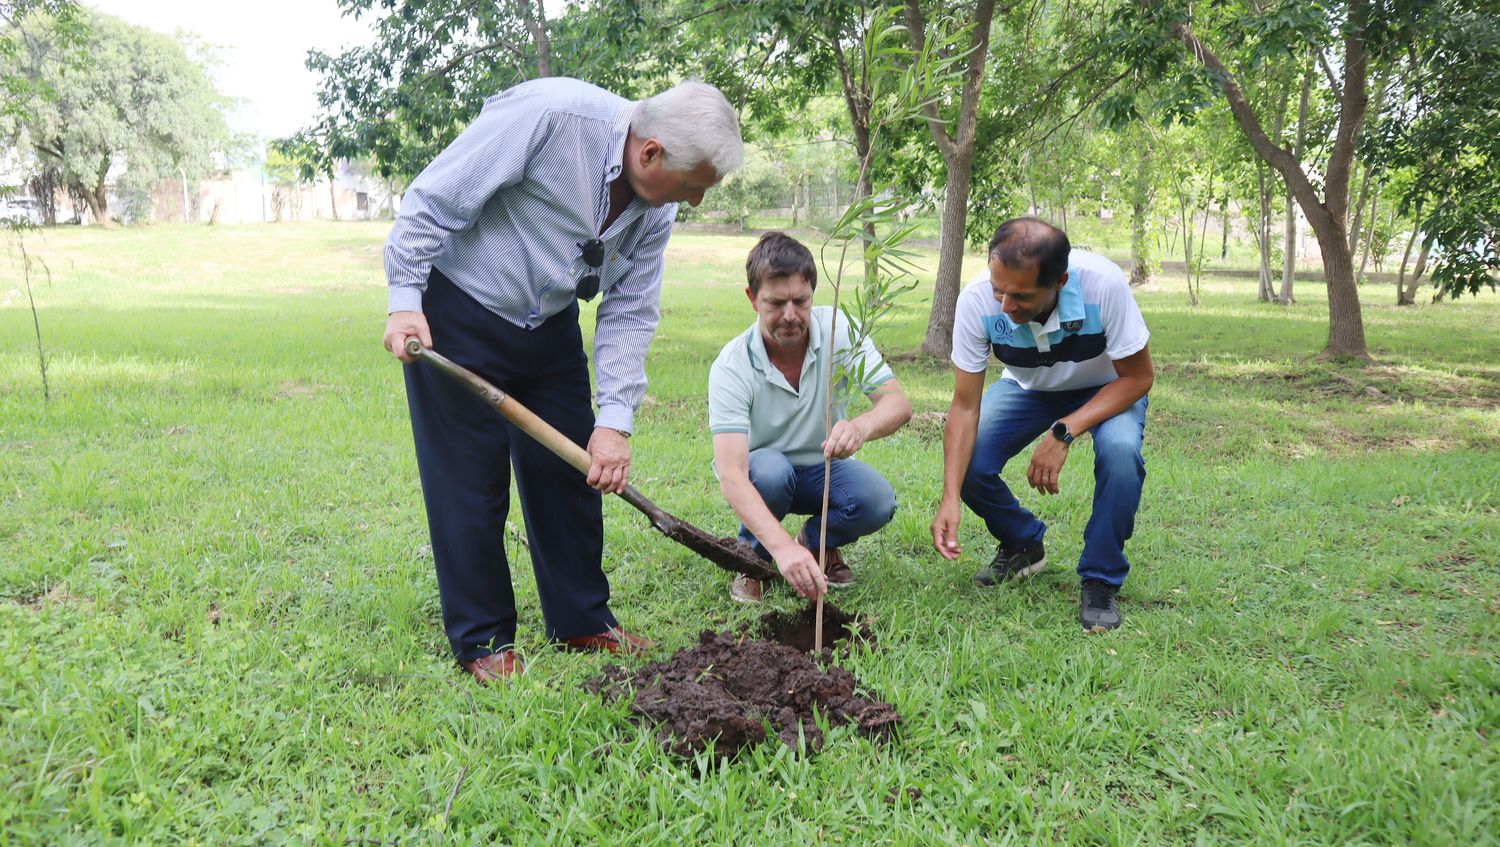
{"x":860,"y":501}
{"x":1010,"y":417}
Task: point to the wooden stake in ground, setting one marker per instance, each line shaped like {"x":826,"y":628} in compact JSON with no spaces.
{"x":827,"y":471}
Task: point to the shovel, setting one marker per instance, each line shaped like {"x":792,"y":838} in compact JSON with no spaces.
{"x":728,"y":553}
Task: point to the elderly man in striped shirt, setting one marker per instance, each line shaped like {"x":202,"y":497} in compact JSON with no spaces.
{"x":557,"y":192}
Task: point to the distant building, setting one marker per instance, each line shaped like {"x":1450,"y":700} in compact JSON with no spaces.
{"x":244,"y":195}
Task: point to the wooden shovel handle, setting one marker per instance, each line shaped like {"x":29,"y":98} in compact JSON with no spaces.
{"x":506,"y":405}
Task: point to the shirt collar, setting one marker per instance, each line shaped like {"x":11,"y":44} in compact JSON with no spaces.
{"x":761,"y":360}
{"x":1069,"y":305}
{"x":617,"y":137}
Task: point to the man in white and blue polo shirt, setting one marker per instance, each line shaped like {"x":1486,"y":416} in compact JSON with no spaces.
{"x":767,"y":403}
{"x":558,"y":193}
{"x":1073,"y":343}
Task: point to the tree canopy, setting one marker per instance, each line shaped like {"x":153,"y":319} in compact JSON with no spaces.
{"x":1169,"y":112}
{"x":135,"y":104}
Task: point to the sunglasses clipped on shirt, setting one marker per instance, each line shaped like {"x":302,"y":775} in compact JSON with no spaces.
{"x":593,"y":256}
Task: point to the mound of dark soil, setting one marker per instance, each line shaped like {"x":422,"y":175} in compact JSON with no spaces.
{"x":733,"y":690}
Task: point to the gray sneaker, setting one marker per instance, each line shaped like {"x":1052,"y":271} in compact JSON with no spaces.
{"x":1011,"y":563}
{"x":1097,"y":610}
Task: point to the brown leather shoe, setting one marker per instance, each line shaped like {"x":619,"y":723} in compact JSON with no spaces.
{"x":838,"y":573}
{"x":746,"y":589}
{"x":495,"y":666}
{"x":835,"y":569}
{"x":613,"y":640}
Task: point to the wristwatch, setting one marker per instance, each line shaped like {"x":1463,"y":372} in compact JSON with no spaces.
{"x":1061,"y":433}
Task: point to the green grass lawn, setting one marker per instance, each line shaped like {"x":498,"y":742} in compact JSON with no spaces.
{"x":219,"y":621}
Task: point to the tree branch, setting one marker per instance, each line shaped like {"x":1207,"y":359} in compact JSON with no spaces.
{"x":474,"y":51}
{"x":916,"y":27}
{"x":1277,"y":157}
{"x":859,"y":117}
{"x":1333,"y":81}
{"x":1087,"y":104}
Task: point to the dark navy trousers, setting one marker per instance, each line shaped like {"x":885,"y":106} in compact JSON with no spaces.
{"x":465,"y":453}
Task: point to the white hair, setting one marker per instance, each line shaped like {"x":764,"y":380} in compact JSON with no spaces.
{"x":695,"y":124}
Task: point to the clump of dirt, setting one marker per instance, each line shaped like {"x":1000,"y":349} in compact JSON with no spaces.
{"x":734,"y":692}
{"x":798,"y":628}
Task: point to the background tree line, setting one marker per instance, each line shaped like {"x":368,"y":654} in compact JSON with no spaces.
{"x":1375,"y":122}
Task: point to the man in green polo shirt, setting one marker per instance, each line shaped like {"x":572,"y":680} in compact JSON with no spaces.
{"x":767,"y":397}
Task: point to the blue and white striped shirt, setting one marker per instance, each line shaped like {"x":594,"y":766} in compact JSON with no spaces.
{"x":502,"y":212}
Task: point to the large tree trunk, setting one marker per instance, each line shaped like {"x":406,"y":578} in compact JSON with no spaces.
{"x":1346,"y":325}
{"x":1328,"y":214}
{"x":939,"y":340}
{"x":957,"y":150}
{"x":1289,"y":265}
{"x":97,"y":199}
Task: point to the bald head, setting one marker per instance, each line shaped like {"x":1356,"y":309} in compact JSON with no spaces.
{"x":1025,"y":243}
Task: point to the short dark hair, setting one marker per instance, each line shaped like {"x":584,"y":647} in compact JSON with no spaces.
{"x":1020,"y":243}
{"x":778,"y":255}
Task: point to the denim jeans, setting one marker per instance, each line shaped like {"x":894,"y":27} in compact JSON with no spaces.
{"x":1010,"y":418}
{"x":860,"y":501}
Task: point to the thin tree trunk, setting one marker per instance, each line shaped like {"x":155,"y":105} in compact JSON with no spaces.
{"x":1289,"y":265}
{"x":333,"y":200}
{"x":1359,"y":210}
{"x":1196,"y":270}
{"x":535,"y":21}
{"x":1263,"y":235}
{"x":1364,"y":257}
{"x":1142,"y":256}
{"x":1390,"y":226}
{"x":957,"y":149}
{"x":1401,"y":298}
{"x":1268,"y":284}
{"x":1224,"y":228}
{"x":1416,"y":274}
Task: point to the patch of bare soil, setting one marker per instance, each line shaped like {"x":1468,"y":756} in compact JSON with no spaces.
{"x":57,"y":595}
{"x":927,"y":425}
{"x":735,"y":691}
{"x":1478,"y":389}
{"x":288,"y":389}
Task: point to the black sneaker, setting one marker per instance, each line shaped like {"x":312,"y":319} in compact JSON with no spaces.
{"x":1011,"y":563}
{"x":1097,"y":610}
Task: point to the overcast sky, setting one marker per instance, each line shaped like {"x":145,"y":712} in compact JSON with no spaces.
{"x":262,"y":46}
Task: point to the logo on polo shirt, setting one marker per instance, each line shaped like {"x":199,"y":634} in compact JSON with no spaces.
{"x":1003,"y":330}
{"x":1072,"y":326}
